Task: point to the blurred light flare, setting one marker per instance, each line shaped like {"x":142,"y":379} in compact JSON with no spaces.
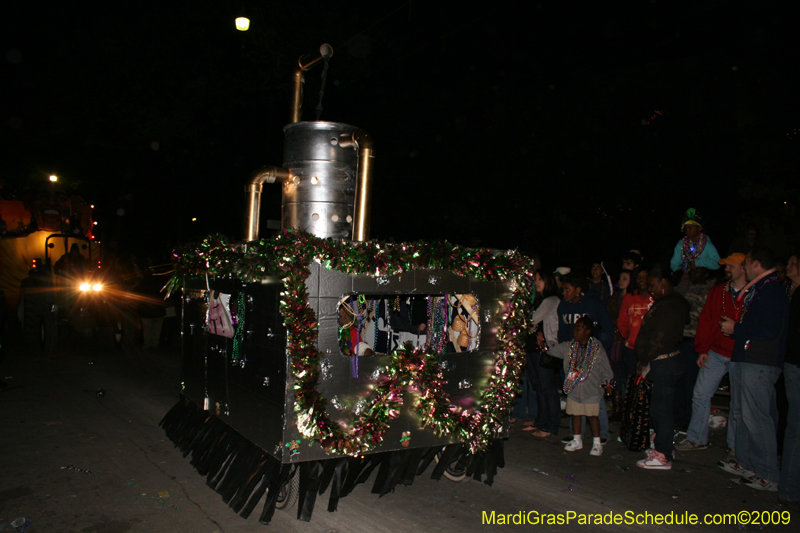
{"x":242,"y":23}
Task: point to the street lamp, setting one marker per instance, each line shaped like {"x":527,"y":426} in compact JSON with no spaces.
{"x":242,"y":23}
{"x":53,"y":178}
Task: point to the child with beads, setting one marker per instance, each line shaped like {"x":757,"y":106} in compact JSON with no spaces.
{"x":588,"y":372}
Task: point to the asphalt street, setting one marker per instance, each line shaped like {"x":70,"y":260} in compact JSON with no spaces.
{"x":82,"y":452}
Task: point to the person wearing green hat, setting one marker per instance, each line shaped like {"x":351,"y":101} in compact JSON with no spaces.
{"x":695,"y":249}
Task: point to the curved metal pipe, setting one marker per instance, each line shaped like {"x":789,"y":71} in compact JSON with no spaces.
{"x":252,"y":203}
{"x":325,"y":50}
{"x":362,"y":141}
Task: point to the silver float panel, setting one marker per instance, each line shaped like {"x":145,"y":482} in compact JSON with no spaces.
{"x":249,"y":386}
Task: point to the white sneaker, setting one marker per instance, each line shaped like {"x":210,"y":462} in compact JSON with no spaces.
{"x":759,"y":483}
{"x":735,"y":468}
{"x":597,"y":449}
{"x":649,"y":452}
{"x":574,"y":445}
{"x":655,"y":461}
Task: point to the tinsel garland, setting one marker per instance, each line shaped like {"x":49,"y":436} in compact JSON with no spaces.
{"x":289,"y":255}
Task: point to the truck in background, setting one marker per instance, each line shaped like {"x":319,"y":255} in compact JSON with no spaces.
{"x":50,"y":263}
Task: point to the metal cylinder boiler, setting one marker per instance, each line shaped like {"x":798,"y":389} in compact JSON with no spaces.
{"x":320,"y":195}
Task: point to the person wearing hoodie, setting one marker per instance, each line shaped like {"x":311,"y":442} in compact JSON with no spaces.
{"x":577,"y":303}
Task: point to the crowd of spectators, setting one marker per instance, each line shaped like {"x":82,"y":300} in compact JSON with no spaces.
{"x":685,"y":325}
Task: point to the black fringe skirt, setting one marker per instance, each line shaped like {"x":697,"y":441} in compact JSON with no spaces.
{"x":242,"y":473}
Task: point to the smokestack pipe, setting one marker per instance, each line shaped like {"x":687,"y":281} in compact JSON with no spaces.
{"x":325,"y":50}
{"x":361,"y":141}
{"x":252,"y":204}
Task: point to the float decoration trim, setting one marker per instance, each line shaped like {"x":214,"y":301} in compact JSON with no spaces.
{"x":289,"y":255}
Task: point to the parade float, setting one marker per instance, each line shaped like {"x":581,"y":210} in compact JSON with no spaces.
{"x":317,"y":357}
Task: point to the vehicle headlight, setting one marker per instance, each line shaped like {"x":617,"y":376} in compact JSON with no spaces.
{"x":97,"y":287}
{"x":84,"y":287}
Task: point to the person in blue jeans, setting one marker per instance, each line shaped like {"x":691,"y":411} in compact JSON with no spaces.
{"x":714,"y":354}
{"x":760,"y":331}
{"x":657,"y":350}
{"x":546,"y":381}
{"x":789,"y":486}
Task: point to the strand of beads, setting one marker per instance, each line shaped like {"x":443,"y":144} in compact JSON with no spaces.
{"x":736,"y":310}
{"x":441,"y":326}
{"x":585,"y":365}
{"x":690,"y":252}
{"x":436,"y":327}
{"x":238,"y":338}
{"x":430,"y":324}
{"x":377,"y":308}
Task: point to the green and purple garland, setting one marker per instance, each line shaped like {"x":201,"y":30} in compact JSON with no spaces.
{"x":289,"y":256}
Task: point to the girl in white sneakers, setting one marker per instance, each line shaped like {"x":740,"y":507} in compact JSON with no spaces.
{"x":588,"y":372}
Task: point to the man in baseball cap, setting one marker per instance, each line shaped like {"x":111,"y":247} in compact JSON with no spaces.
{"x":714,"y":354}
{"x":733,"y":259}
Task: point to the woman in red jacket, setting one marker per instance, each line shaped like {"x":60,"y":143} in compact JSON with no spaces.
{"x":634,"y":306}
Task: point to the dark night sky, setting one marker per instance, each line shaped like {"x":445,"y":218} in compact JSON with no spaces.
{"x":574,"y":130}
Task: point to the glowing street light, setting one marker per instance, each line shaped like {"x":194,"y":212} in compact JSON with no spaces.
{"x":242,"y":23}
{"x":53,"y":178}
